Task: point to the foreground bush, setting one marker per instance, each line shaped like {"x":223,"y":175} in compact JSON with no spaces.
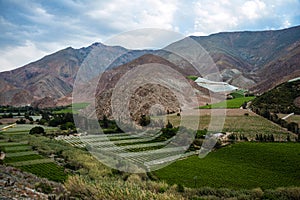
{"x":112,"y":188}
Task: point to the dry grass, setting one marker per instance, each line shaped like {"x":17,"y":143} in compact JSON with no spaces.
{"x":235,"y":122}
{"x":113,"y":188}
{"x":293,"y":118}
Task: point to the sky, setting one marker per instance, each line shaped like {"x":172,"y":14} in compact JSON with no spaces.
{"x":32,"y":29}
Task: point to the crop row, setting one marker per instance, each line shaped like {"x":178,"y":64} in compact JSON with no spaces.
{"x":18,"y":148}
{"x":6,"y":144}
{"x":32,"y":162}
{"x":22,"y":158}
{"x":21,"y":153}
{"x":50,"y":171}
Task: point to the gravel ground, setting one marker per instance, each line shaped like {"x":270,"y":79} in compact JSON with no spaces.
{"x":15,"y":184}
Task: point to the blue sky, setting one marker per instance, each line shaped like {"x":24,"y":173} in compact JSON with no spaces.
{"x":32,"y":29}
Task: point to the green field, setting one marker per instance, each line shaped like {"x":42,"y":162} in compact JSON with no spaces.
{"x":242,"y":165}
{"x":74,"y":108}
{"x":238,"y":94}
{"x":19,"y":154}
{"x":25,"y":128}
{"x":17,"y":148}
{"x":48,"y":170}
{"x":231,"y":103}
{"x":192,"y":77}
{"x":22,"y":158}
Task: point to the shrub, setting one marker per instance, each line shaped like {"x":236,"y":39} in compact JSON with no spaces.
{"x":180,"y":188}
{"x":21,"y":121}
{"x":37,"y":130}
{"x":144,"y":120}
{"x":43,"y":187}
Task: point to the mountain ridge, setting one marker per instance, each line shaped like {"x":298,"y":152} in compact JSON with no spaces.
{"x":249,"y":59}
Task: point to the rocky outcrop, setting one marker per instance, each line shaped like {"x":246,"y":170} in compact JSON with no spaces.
{"x":15,"y":184}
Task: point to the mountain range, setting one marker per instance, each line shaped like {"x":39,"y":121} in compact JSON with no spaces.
{"x":257,"y":61}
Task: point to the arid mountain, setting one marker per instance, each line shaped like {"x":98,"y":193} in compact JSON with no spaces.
{"x":254,"y":60}
{"x":52,"y":76}
{"x":145,"y":95}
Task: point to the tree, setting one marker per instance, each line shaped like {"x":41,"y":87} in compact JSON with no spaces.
{"x":288,"y":138}
{"x":265,"y":138}
{"x":105,"y":121}
{"x":169,"y":125}
{"x":265,"y":113}
{"x":45,"y":116}
{"x":67,"y":126}
{"x":144,"y":120}
{"x":21,"y":121}
{"x":293,"y":127}
{"x":244,"y":106}
{"x":231,"y":137}
{"x":256,"y":137}
{"x":10,"y":115}
{"x":272,"y":138}
{"x":37,"y":130}
{"x":42,"y":121}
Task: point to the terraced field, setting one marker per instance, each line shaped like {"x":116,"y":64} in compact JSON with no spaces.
{"x":24,"y":129}
{"x":145,"y":150}
{"x":21,"y":155}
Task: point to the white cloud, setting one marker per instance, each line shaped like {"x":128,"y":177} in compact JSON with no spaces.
{"x":214,"y":16}
{"x":220,"y":15}
{"x":286,"y":24}
{"x":253,"y":9}
{"x":148,"y":38}
{"x":11,"y":58}
{"x":128,"y":15}
{"x":35,"y":28}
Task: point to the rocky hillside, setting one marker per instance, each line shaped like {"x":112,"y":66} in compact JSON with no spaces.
{"x":145,"y":95}
{"x":254,"y":60}
{"x":52,"y":76}
{"x":15,"y":184}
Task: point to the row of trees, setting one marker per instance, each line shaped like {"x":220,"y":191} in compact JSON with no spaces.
{"x":264,"y":138}
{"x":29,"y":109}
{"x":292,"y":126}
{"x":241,"y":137}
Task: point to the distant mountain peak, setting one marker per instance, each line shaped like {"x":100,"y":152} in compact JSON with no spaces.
{"x":255,"y":60}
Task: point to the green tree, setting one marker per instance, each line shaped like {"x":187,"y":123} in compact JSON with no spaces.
{"x":37,"y":130}
{"x":288,"y":138}
{"x":105,"y":122}
{"x":272,"y":138}
{"x":144,"y":120}
{"x":256,"y":137}
{"x":169,"y":125}
{"x":21,"y":121}
{"x":293,"y":127}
